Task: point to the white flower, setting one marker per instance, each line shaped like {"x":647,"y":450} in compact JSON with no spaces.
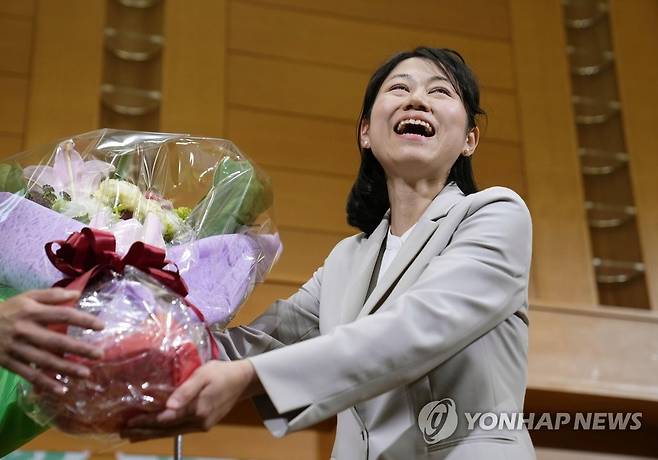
{"x":127,"y":232}
{"x":69,"y":172}
{"x":84,"y":208}
{"x":124,"y":196}
{"x":118,"y":193}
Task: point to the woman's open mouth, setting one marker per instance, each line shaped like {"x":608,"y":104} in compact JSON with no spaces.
{"x":414,"y":128}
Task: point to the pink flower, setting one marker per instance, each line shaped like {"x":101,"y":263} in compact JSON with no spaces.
{"x":69,"y":172}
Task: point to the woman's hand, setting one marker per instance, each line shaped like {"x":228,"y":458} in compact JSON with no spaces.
{"x":28,"y":347}
{"x":199,"y":403}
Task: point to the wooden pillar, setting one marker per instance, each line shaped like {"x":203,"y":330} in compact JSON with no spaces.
{"x":562,"y":261}
{"x":635,"y":37}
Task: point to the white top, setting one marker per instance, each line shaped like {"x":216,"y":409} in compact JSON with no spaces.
{"x":393,"y":245}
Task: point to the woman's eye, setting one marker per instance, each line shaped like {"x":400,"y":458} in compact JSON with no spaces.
{"x":400,"y":87}
{"x":441,"y":90}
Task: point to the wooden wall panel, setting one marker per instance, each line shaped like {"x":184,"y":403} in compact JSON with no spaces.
{"x":15,"y":42}
{"x":324,"y":92}
{"x":193,"y":68}
{"x":310,"y":201}
{"x":498,"y":163}
{"x":12,"y":110}
{"x":331,"y":40}
{"x":635,"y":37}
{"x":485,"y":18}
{"x":261,"y":298}
{"x":66,"y":70}
{"x":16,"y":27}
{"x":502,"y":116}
{"x":293,"y":142}
{"x":10,"y":144}
{"x":303,"y":252}
{"x":295,"y":87}
{"x":579,"y":350}
{"x":562,"y":269}
{"x":18,"y":7}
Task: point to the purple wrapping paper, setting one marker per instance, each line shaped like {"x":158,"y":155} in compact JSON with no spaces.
{"x":25,"y":228}
{"x":220,"y":270}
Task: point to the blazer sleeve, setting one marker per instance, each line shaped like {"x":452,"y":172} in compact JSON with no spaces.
{"x":285,"y":322}
{"x":479,"y":280}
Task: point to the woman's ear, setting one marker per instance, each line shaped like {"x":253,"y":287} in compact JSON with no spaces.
{"x":471,"y":142}
{"x":364,"y":138}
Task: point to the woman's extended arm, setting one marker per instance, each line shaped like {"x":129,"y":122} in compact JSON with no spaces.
{"x":478,"y":281}
{"x":285,"y":322}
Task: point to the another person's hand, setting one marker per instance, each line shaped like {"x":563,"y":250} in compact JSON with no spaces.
{"x":28,"y":348}
{"x":200,"y":402}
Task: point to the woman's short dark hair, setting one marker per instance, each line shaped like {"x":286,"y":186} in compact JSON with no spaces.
{"x":368,"y":199}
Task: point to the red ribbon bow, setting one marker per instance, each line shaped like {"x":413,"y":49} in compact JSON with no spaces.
{"x":90,"y":252}
{"x":86,"y":254}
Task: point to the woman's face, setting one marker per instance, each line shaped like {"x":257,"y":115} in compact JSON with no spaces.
{"x":418,"y":123}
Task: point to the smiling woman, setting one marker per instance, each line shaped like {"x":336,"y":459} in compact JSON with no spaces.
{"x":426,"y":87}
{"x":408,"y":325}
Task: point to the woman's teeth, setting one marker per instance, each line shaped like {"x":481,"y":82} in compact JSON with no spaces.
{"x":414,"y":126}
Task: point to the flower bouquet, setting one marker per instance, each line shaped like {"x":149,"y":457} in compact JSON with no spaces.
{"x":200,"y":199}
{"x":165,"y":235}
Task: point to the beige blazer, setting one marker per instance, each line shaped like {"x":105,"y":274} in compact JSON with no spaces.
{"x":443,"y":334}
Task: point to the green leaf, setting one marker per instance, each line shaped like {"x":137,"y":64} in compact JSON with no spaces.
{"x":236,"y":198}
{"x":11,"y":178}
{"x":124,"y":167}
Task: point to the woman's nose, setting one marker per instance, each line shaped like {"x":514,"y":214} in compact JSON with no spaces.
{"x":417,"y":101}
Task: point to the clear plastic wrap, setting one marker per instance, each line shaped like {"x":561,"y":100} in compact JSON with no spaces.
{"x":200,"y":198}
{"x":152,"y":342}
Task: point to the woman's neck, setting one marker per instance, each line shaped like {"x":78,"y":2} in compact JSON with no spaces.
{"x":409,"y":202}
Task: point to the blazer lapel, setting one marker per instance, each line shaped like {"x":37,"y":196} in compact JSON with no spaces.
{"x":364,"y":259}
{"x":425,"y":228}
